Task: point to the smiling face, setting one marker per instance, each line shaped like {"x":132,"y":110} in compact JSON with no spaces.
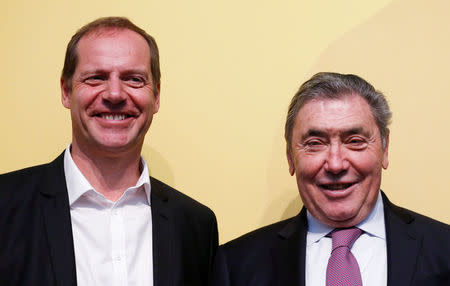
{"x":113,"y":98}
{"x":337,"y":157}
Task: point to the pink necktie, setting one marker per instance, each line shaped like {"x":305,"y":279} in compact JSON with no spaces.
{"x":342,"y":267}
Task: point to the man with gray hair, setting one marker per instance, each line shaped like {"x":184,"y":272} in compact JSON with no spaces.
{"x":94,"y":216}
{"x":348,"y":232}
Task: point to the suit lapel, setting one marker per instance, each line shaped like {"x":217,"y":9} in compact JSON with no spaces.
{"x":403,"y":244}
{"x":56,"y":214}
{"x":289,"y":253}
{"x":162,"y":238}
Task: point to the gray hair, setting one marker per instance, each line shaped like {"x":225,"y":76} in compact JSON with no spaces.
{"x":334,"y":86}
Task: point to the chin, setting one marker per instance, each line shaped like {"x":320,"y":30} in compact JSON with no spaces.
{"x":115,"y":140}
{"x":343,"y":218}
{"x":114,"y":147}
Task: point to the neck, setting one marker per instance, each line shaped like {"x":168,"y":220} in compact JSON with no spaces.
{"x":108,"y":175}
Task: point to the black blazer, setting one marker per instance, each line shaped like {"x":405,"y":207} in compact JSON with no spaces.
{"x":36,"y":244}
{"x":418,"y":252}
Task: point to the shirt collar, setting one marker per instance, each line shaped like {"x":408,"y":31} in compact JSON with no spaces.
{"x":77,"y":184}
{"x":373,"y":224}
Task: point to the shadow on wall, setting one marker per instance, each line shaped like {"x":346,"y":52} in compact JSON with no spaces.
{"x":283,"y":197}
{"x":403,"y":50}
{"x":154,"y":158}
{"x":292,"y":202}
{"x":405,"y":44}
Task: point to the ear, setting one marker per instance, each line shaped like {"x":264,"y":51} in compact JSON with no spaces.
{"x":156,"y":94}
{"x":290,"y":161}
{"x":385,"y":162}
{"x":65,"y":93}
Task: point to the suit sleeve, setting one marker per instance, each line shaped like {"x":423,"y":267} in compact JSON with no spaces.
{"x":220,"y":272}
{"x":214,"y":243}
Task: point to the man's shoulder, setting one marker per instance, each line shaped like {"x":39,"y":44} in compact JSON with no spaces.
{"x":434,"y":235}
{"x":431,"y":228}
{"x":177,"y":200}
{"x":262,"y":237}
{"x":420,"y":223}
{"x":20,"y":190}
{"x":24,"y":184}
{"x":18,"y":175}
{"x":21,"y":180}
{"x":429,"y":222}
{"x":250,"y":254}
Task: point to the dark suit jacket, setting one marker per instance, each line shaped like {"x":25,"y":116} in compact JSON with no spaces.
{"x":418,"y":252}
{"x":36,"y":244}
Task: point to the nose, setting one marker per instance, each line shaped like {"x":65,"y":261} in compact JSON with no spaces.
{"x":114,"y":92}
{"x":336,"y":161}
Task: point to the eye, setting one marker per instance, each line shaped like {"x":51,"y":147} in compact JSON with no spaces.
{"x":314,"y":145}
{"x":134,"y":81}
{"x":356,"y":142}
{"x":95,"y":80}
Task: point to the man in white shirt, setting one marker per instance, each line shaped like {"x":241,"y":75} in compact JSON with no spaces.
{"x":94,"y":216}
{"x":337,"y":145}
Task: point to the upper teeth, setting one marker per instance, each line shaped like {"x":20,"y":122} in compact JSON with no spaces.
{"x":113,"y":116}
{"x":336,"y":186}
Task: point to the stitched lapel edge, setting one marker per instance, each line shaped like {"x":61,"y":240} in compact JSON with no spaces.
{"x":57,"y":222}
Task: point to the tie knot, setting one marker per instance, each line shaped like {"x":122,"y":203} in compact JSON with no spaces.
{"x":345,"y":237}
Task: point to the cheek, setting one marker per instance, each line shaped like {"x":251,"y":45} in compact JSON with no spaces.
{"x":308,"y":166}
{"x":143,"y":100}
{"x":367,"y":164}
{"x":307,"y":170}
{"x":81,"y":99}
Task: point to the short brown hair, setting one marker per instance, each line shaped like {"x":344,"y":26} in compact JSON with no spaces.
{"x":335,"y":85}
{"x":71,"y":59}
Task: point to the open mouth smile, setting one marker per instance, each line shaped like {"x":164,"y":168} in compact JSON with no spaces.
{"x":111,"y":116}
{"x":336,"y":186}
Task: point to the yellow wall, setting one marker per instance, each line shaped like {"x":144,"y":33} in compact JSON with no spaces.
{"x":230,"y":69}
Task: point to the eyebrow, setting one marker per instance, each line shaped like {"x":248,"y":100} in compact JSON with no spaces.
{"x":125,"y":72}
{"x":136,"y":71}
{"x":314,"y":133}
{"x":92,"y":72}
{"x":354,"y":130}
{"x":321,"y":133}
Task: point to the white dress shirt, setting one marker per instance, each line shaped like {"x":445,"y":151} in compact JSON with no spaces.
{"x":369,"y":249}
{"x":112,"y":240}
